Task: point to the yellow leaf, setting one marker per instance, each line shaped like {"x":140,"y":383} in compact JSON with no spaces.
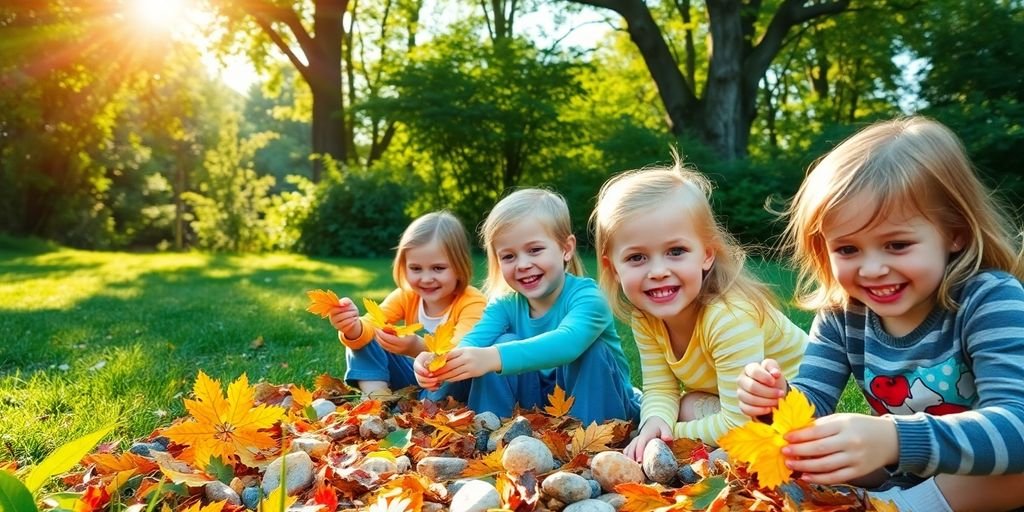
{"x":594,"y":439}
{"x":883,"y":506}
{"x":760,"y":445}
{"x":398,"y":503}
{"x":301,"y":397}
{"x":277,"y":501}
{"x":380,"y":321}
{"x":321,"y":302}
{"x":437,"y":362}
{"x":490,"y":464}
{"x":189,"y":479}
{"x":559,"y":405}
{"x":382,"y":454}
{"x":442,"y":340}
{"x":216,"y":506}
{"x":226,"y":427}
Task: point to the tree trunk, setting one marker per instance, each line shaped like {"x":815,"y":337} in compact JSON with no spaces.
{"x":724,"y":116}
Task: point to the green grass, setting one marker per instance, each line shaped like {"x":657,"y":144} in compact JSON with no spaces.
{"x":87,"y":337}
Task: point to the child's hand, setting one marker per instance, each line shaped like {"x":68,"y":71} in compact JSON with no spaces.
{"x":469,"y":362}
{"x":410,"y":345}
{"x":653,"y":428}
{"x":345,"y":318}
{"x":841,"y":447}
{"x":423,"y":375}
{"x":760,"y":387}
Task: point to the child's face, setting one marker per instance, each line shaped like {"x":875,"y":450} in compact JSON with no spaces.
{"x":894,"y":266}
{"x":659,"y":260}
{"x":533,"y":262}
{"x":430,"y":274}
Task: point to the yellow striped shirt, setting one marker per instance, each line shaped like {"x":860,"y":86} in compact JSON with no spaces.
{"x":727,"y":337}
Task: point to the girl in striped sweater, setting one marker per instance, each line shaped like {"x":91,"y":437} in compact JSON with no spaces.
{"x":698,"y":316}
{"x":916,"y":278}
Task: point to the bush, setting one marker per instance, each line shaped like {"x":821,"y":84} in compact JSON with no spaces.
{"x":360,"y":215}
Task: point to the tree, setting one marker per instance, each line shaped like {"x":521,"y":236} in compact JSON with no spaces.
{"x":743,"y":51}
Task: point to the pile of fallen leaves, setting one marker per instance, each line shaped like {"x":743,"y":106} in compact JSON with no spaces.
{"x":233,"y":438}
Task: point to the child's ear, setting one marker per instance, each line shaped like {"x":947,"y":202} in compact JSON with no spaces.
{"x":606,"y":263}
{"x":569,"y":248}
{"x":709,"y":259}
{"x":957,"y":243}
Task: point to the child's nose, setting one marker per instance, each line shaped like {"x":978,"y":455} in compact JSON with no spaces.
{"x":873,"y":266}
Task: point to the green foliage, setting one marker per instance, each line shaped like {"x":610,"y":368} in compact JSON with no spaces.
{"x":230,"y":208}
{"x":485,"y":116}
{"x":14,"y":496}
{"x":359,"y":214}
{"x":64,"y":458}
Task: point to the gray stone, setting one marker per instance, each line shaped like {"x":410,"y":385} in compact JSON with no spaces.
{"x":373,"y":428}
{"x":475,"y":496}
{"x":590,"y":506}
{"x":687,"y":475}
{"x":298,"y":473}
{"x":220,"y":491}
{"x":614,"y":499}
{"x":660,"y":463}
{"x":613,"y":468}
{"x":595,"y":488}
{"x":342,"y":431}
{"x":486,"y":421}
{"x":526,"y":453}
{"x":251,"y":497}
{"x":314,"y":446}
{"x":519,"y":427}
{"x":441,"y":468}
{"x":566,"y":487}
{"x":430,"y":506}
{"x":403,"y":464}
{"x":482,"y":438}
{"x":378,"y":465}
{"x":145,"y":449}
{"x":323,"y":407}
{"x":718,"y":454}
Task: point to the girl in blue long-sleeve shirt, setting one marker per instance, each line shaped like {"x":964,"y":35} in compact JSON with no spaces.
{"x":545,"y":325}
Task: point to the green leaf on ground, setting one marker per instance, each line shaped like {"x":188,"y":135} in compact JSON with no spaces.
{"x":64,"y":458}
{"x":14,"y":496}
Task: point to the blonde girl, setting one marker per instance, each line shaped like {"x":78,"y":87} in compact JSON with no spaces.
{"x":916,"y":279}
{"x":697,"y":314}
{"x":545,"y":326}
{"x":432,"y":270}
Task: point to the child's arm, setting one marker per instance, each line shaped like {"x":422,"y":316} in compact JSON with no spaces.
{"x":476,"y":354}
{"x":588,"y":316}
{"x":394,"y":310}
{"x":659,"y":405}
{"x":733,"y":339}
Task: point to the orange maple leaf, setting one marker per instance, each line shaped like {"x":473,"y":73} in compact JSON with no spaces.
{"x":760,"y":445}
{"x":225,"y":426}
{"x":321,"y":302}
{"x":380,"y":321}
{"x":640,"y":497}
{"x":439,"y":344}
{"x":559,"y":405}
{"x":107,"y":463}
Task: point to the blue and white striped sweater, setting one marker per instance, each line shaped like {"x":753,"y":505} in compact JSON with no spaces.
{"x":955,"y":385}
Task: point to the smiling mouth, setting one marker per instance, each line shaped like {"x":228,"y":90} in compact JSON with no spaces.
{"x":885,"y":291}
{"x":527,"y":281}
{"x":662,"y":292}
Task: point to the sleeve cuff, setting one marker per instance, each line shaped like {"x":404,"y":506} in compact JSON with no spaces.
{"x":915,"y":445}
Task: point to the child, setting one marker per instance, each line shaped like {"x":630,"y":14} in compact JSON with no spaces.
{"x":698,"y":316}
{"x":432,"y":270}
{"x":553,"y":329}
{"x":916,"y":281}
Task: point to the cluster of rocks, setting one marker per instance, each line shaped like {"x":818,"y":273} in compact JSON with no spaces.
{"x":585,"y":490}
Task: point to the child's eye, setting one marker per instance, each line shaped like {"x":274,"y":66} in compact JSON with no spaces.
{"x":845,"y":250}
{"x":535,"y":250}
{"x":414,"y":268}
{"x":439,"y":269}
{"x":505,"y":257}
{"x":676,"y":251}
{"x":636,"y":258}
{"x":899,"y":246}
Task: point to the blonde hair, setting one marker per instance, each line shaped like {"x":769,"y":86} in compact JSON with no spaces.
{"x":445,"y":228}
{"x":910,"y":162}
{"x":642,"y":190}
{"x":545,"y":206}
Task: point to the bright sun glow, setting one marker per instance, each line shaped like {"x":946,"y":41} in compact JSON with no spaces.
{"x":163,"y":14}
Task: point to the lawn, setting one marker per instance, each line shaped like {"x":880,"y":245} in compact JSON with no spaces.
{"x":87,"y":337}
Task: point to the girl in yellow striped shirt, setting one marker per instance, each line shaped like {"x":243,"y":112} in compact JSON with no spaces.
{"x":698,"y":315}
